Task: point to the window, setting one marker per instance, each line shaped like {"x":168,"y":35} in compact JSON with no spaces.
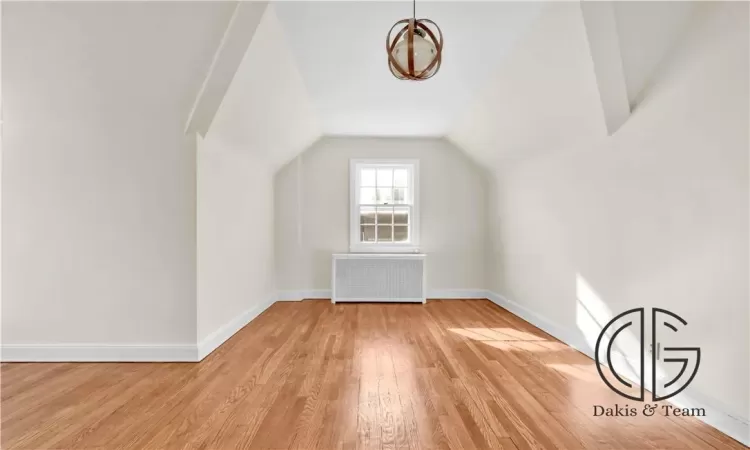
{"x":384,"y":206}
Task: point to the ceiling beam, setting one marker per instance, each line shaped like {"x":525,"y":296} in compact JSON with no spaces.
{"x":604,"y":46}
{"x":227,"y":59}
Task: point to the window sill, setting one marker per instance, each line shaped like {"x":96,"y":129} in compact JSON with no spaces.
{"x":380,"y":248}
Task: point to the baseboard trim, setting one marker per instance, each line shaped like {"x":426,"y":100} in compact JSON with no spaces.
{"x":98,"y":353}
{"x":571,"y":338}
{"x":449,"y":294}
{"x":737,"y":428}
{"x":222,"y":334}
{"x":131,"y":353}
{"x":298,"y":295}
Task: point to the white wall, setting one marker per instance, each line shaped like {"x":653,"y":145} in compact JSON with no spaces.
{"x":312,"y":211}
{"x":98,"y":179}
{"x":656,"y":215}
{"x":264,"y":119}
{"x":235,"y":235}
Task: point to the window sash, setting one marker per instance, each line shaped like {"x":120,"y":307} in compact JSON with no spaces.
{"x":406,"y":178}
{"x":394,"y":225}
{"x":406,"y":203}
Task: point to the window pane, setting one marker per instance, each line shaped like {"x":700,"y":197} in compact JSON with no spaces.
{"x":385,"y":177}
{"x":385,"y":196}
{"x":367,"y":178}
{"x":385,"y":233}
{"x":400,"y":233}
{"x":366,"y":215}
{"x":367,"y":233}
{"x":367,"y":196}
{"x":401,"y":216}
{"x":385,"y":216}
{"x":399,"y":195}
{"x":400,"y":177}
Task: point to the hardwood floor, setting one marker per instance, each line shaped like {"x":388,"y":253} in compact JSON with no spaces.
{"x":460,"y":374}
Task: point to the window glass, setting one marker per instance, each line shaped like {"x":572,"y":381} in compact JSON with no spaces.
{"x":400,"y":177}
{"x":399,"y":195}
{"x":385,"y":233}
{"x":367,"y":215}
{"x":401,"y":215}
{"x":385,"y":215}
{"x":368,"y":178}
{"x":367,"y":196}
{"x":385,"y":177}
{"x":400,"y":233}
{"x":385,"y":212}
{"x":367,"y":233}
{"x":385,"y":196}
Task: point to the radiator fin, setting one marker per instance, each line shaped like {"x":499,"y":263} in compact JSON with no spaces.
{"x":387,"y":278}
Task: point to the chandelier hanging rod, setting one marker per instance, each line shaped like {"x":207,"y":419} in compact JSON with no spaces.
{"x":415,"y":51}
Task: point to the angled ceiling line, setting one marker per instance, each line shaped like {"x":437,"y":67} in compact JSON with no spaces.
{"x":604,"y":46}
{"x":226,"y":60}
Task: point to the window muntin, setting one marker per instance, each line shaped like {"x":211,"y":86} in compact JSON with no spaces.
{"x":384,"y":205}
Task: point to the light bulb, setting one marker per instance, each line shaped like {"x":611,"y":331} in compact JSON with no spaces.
{"x":424,"y":53}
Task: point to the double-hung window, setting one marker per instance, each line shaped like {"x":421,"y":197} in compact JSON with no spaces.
{"x":384,"y":206}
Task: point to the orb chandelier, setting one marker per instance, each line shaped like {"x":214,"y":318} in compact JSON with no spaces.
{"x":414,"y":53}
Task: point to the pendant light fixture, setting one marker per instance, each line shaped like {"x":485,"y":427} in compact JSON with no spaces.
{"x":414,"y":53}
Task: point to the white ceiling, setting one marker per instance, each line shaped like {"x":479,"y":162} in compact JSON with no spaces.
{"x":516,"y":79}
{"x":104,"y":59}
{"x":543,"y":98}
{"x":340,"y":51}
{"x":648,"y":31}
{"x":264,"y":111}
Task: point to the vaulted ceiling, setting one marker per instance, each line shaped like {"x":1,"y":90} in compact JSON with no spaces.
{"x":518,"y":78}
{"x":340,"y":51}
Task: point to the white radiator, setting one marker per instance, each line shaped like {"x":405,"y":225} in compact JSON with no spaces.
{"x":370,"y":277}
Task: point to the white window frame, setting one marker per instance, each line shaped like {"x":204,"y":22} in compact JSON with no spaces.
{"x":355,"y":244}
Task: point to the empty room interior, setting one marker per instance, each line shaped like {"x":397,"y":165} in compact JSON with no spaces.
{"x":375,"y":225}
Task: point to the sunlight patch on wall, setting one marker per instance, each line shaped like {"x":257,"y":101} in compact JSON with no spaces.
{"x":592,"y":315}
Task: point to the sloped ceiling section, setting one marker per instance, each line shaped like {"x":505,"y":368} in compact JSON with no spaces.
{"x":266,"y":108}
{"x":543,"y":96}
{"x":649,"y":33}
{"x":340,"y":48}
{"x":519,"y":78}
{"x":227,"y":58}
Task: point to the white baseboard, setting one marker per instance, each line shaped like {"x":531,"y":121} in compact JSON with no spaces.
{"x":732,"y":425}
{"x":737,"y":428}
{"x":456,"y":293}
{"x":98,"y":353}
{"x":570,"y":337}
{"x":298,"y":295}
{"x":175,"y":353}
{"x":130,"y":353}
{"x":223,"y":333}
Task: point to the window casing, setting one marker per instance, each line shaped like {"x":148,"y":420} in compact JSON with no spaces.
{"x":384,"y":209}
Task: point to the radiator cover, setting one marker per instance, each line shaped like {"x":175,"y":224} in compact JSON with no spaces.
{"x":378,"y":277}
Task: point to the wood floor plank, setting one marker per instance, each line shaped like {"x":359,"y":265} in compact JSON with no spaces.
{"x":450,"y":374}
